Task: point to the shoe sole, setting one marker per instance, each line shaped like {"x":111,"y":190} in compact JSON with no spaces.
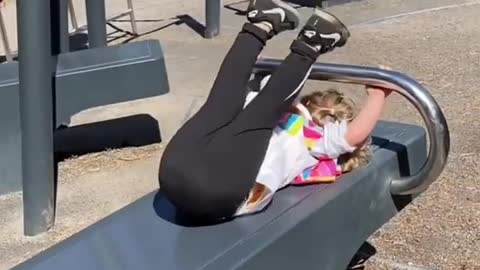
{"x":291,"y":14}
{"x":335,"y":21}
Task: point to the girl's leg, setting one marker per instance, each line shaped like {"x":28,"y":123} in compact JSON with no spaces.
{"x":227,"y":96}
{"x":228,"y":92}
{"x":234,"y":155}
{"x":322,"y":33}
{"x":265,"y":110}
{"x":187,"y":172}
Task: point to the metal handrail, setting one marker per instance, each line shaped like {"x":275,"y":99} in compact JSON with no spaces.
{"x":430,"y":111}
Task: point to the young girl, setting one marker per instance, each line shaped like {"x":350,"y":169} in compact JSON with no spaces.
{"x":211,"y":164}
{"x":311,"y":143}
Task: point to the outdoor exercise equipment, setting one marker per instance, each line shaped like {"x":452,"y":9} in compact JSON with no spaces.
{"x":309,"y":227}
{"x":97,"y":20}
{"x":51,"y":83}
{"x":318,"y":226}
{"x":46,"y":86}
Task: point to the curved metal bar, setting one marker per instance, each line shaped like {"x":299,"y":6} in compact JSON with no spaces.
{"x":430,"y":111}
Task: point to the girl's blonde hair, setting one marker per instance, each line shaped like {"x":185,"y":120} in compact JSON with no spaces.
{"x":334,"y":105}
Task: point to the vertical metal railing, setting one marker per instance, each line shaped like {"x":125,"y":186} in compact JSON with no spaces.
{"x":212,"y":18}
{"x":36,"y":114}
{"x":131,"y":14}
{"x":59,"y":26}
{"x":63,"y":31}
{"x":96,"y":23}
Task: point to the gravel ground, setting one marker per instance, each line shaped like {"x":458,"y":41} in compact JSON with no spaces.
{"x":441,"y":230}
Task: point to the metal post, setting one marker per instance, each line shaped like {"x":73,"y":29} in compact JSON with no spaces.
{"x":59,"y":24}
{"x":96,"y":23}
{"x":212,"y":18}
{"x":64,"y":31}
{"x":36,"y":114}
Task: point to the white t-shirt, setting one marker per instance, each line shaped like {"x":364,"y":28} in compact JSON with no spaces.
{"x":287,"y":156}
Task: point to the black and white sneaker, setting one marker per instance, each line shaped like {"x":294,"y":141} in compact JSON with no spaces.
{"x":280,"y":15}
{"x":323,"y":32}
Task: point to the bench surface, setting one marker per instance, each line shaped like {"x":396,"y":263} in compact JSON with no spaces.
{"x":310,"y":226}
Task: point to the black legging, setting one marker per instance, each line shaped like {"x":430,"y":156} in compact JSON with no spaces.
{"x":211,"y":163}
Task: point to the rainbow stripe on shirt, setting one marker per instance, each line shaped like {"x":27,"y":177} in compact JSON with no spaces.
{"x":293,"y":124}
{"x":326,"y":170}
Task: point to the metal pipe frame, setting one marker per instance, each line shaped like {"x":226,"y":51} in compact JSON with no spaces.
{"x":63,"y":27}
{"x":128,"y":12}
{"x":435,"y":122}
{"x":131,"y":13}
{"x":6,"y":43}
{"x":73,"y":15}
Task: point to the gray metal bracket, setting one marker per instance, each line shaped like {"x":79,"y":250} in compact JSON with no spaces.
{"x":84,"y":79}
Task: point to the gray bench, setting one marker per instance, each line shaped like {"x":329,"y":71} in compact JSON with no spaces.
{"x":318,"y":225}
{"x":309,"y":227}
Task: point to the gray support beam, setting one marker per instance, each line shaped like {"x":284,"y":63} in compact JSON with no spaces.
{"x":212,"y":18}
{"x":64,"y":31}
{"x":101,"y":76}
{"x":59,"y":32}
{"x":84,"y":79}
{"x":96,"y":23}
{"x":36,"y":114}
{"x":10,"y":141}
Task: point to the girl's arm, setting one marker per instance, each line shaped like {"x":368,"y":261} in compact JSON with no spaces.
{"x":342,"y":137}
{"x":360,"y":128}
